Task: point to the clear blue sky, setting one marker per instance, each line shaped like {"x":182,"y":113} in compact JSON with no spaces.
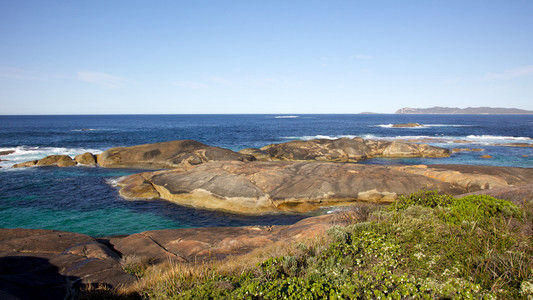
{"x":123,"y":57}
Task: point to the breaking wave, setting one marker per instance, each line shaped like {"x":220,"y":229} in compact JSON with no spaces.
{"x":27,"y":153}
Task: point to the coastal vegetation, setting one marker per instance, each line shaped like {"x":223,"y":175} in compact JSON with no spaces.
{"x":426,"y":245}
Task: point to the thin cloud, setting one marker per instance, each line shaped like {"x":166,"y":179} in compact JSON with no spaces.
{"x":510,"y":74}
{"x":99,"y":78}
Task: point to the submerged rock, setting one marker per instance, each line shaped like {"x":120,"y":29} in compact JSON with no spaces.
{"x":167,"y":155}
{"x":348,"y":150}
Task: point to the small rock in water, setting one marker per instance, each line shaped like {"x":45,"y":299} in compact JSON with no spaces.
{"x":406,"y":125}
{"x":486,"y":156}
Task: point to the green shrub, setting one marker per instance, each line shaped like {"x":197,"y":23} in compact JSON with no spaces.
{"x":424,"y":198}
{"x":478,"y":208}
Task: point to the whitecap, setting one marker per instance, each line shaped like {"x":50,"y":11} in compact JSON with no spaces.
{"x":286,"y":117}
{"x":28,"y":153}
{"x":498,"y":137}
{"x":85,"y":129}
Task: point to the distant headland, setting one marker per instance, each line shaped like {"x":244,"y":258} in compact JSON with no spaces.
{"x":468,"y":110}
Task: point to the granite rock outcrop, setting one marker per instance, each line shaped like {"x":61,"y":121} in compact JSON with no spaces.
{"x":346,"y":150}
{"x":167,"y":155}
{"x":259,"y":187}
{"x":49,"y":264}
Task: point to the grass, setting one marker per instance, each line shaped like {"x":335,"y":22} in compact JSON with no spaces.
{"x":425,"y":246}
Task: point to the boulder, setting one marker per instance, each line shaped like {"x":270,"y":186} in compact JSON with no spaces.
{"x":348,"y":150}
{"x":30,"y":163}
{"x":56,"y":160}
{"x":167,"y":155}
{"x":86,"y":159}
{"x":486,"y":156}
{"x":52,"y":160}
{"x":49,"y":264}
{"x":259,"y":187}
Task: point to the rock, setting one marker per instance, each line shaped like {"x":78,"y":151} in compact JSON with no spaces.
{"x":6,"y":152}
{"x":258,"y":154}
{"x":486,"y":156}
{"x":48,"y":264}
{"x":519,"y":194}
{"x":467,"y":181}
{"x":136,"y":186}
{"x":52,"y":160}
{"x":259,"y":187}
{"x":30,"y":163}
{"x":86,"y":159}
{"x":167,"y":155}
{"x":349,"y":150}
{"x":58,"y":160}
{"x":406,"y":125}
{"x":206,"y":244}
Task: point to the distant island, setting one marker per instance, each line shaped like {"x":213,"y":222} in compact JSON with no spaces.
{"x":468,"y":110}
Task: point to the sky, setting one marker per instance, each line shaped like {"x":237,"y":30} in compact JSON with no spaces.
{"x":272,"y":57}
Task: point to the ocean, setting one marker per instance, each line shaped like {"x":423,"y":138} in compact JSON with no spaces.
{"x":85,"y":200}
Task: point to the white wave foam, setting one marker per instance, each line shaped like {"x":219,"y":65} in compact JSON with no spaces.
{"x":497,"y":137}
{"x":315,"y":137}
{"x":113,"y":181}
{"x":27,"y":153}
{"x":87,"y":129}
{"x":286,"y":117}
{"x":421,"y":126}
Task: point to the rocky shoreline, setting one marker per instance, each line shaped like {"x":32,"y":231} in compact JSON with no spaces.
{"x":295,"y":176}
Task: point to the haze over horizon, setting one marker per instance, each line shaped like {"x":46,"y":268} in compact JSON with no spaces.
{"x":181,"y":57}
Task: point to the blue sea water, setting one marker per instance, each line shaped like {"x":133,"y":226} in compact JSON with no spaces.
{"x":84,"y":200}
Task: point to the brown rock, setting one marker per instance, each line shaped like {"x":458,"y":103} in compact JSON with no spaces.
{"x":350,"y":150}
{"x":259,"y":187}
{"x":136,"y":186}
{"x":167,"y":155}
{"x":86,"y":159}
{"x":52,"y":160}
{"x":6,"y":152}
{"x":406,"y":125}
{"x":201,"y":244}
{"x":486,"y":156}
{"x":59,"y":160}
{"x":48,"y":264}
{"x":30,"y":163}
{"x":258,"y":154}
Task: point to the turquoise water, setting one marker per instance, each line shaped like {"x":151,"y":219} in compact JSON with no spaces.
{"x":85,"y":200}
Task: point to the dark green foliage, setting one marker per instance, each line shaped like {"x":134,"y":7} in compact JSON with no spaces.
{"x":423,"y":198}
